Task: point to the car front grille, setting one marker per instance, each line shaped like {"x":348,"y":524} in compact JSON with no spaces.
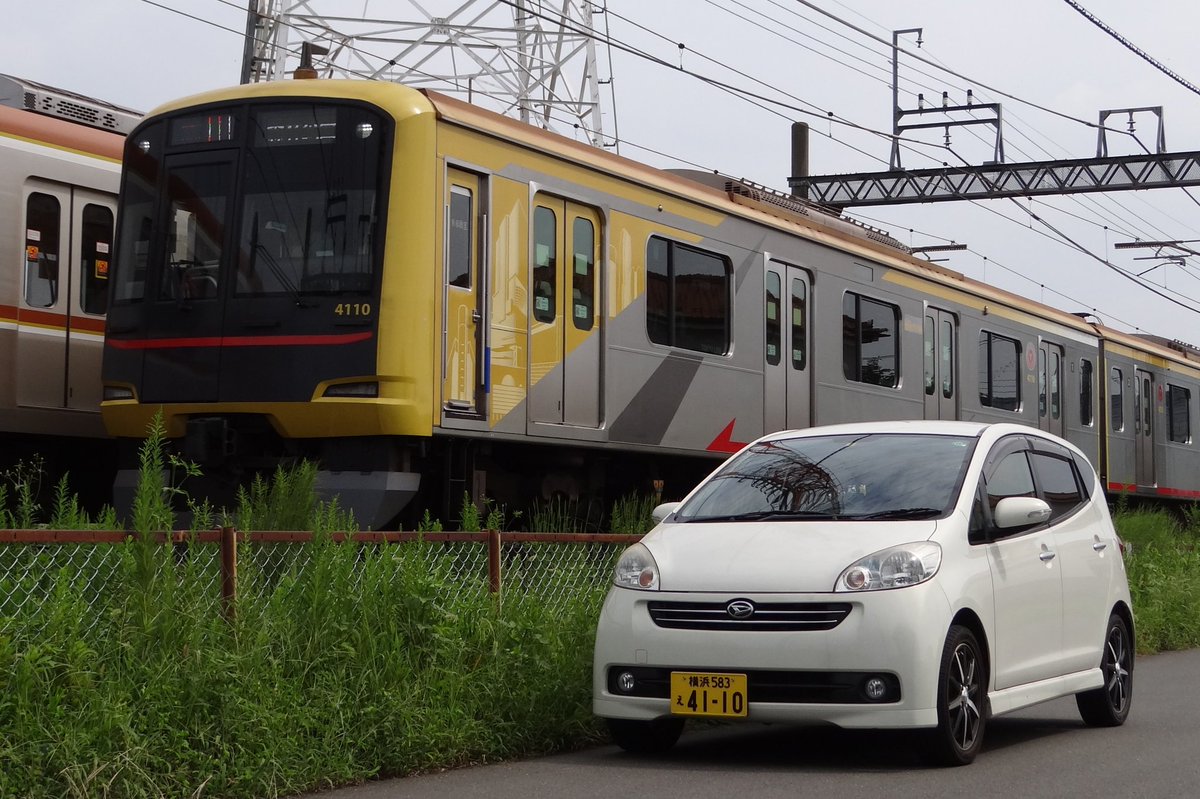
{"x":766,"y":616}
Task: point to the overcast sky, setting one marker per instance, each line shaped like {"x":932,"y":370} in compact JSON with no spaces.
{"x":1041,"y":52}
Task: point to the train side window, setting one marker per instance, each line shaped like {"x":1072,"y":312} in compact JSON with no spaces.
{"x":545,"y":268}
{"x":43,"y":218}
{"x":687,"y":297}
{"x":1116,"y":398}
{"x":870,"y":346}
{"x":947,"y":359}
{"x":1055,"y":385}
{"x":999,"y":372}
{"x":930,"y":356}
{"x":583,"y":281}
{"x":459,"y":238}
{"x":1179,"y":402}
{"x":1085,"y":392}
{"x":1041,"y":379}
{"x":774,"y":325}
{"x":97,"y":233}
{"x":799,"y":324}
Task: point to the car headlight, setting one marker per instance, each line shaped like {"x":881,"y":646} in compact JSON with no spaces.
{"x":637,"y":569}
{"x":895,"y":567}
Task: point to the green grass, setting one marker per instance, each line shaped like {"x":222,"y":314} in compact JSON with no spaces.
{"x":120,"y":676}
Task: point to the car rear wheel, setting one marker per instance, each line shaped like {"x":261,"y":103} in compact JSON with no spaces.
{"x":961,"y":701}
{"x":1108,"y":706}
{"x":645,"y":737}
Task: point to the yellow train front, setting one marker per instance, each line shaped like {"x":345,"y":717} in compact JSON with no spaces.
{"x":300,"y":274}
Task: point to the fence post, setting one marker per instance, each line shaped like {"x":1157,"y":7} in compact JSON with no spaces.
{"x":494,"y":561}
{"x":228,"y":571}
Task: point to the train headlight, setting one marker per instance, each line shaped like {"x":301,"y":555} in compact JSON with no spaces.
{"x":113,"y":393}
{"x":366,"y":388}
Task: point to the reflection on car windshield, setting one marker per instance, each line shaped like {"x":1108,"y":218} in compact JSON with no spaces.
{"x":870,"y":476}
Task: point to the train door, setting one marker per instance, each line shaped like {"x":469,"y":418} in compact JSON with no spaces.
{"x":941,"y":388}
{"x":60,"y":321}
{"x":564,"y":314}
{"x":184,"y":297}
{"x":787,"y":392}
{"x":1143,"y":427}
{"x":464,"y":370}
{"x":1050,"y":410}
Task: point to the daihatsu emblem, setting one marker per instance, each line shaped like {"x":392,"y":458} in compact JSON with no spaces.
{"x":740,"y":608}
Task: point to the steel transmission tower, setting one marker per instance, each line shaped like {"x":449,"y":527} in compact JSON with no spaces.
{"x":532,"y":59}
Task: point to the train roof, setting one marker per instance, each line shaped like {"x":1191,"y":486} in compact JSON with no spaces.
{"x":39,"y":98}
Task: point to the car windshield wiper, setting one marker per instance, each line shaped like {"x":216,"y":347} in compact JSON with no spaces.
{"x":902,"y":513}
{"x":767,"y":515}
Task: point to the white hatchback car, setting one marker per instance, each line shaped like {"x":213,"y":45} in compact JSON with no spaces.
{"x":883,"y":575}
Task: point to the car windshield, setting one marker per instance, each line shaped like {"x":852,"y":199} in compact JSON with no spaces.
{"x":868,"y":476}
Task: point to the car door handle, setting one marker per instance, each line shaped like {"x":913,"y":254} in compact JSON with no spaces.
{"x":1099,"y":546}
{"x":1046,"y":556}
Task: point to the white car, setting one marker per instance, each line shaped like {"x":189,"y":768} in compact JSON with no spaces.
{"x":923,"y":575}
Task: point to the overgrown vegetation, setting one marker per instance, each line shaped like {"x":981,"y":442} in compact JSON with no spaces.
{"x":1163,"y":564}
{"x":120,"y":676}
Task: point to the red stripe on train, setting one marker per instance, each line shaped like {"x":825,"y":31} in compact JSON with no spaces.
{"x":239,"y":341}
{"x":1162,"y":491}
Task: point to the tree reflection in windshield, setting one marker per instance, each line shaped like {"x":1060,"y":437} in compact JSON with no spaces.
{"x":877,"y":476}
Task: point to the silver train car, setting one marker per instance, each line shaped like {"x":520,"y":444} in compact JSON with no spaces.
{"x":429,"y":298}
{"x":59,"y":172}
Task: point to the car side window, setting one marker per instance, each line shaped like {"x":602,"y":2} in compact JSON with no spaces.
{"x":1010,"y":478}
{"x":1059,"y":484}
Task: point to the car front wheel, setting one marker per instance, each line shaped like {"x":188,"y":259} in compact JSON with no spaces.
{"x":961,"y":702}
{"x":645,"y":737}
{"x":1108,"y":706}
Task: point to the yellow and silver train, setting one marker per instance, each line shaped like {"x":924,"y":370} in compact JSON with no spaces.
{"x":429,"y":298}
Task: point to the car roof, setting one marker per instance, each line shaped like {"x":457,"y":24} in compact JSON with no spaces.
{"x":906,"y":426}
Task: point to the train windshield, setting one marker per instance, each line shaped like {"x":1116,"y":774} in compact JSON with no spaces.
{"x":280,"y":200}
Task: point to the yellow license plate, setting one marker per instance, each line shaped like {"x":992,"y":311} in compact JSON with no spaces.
{"x":708,"y":694}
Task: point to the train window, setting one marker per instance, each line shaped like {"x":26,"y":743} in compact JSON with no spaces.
{"x":1179,"y":401}
{"x":930,"y":356}
{"x":1060,"y":488}
{"x":1041,"y":378}
{"x":43,"y":218}
{"x":311,"y":200}
{"x":947,"y":359}
{"x":545,"y":265}
{"x":1055,"y":392}
{"x":196,"y":230}
{"x":687,"y":297}
{"x":97,"y":232}
{"x":459,"y":238}
{"x":799,"y":315}
{"x":1116,"y":398}
{"x":1085,"y":392}
{"x":774,"y":323}
{"x":141,"y":167}
{"x":999,"y":372}
{"x":583,"y":281}
{"x":870,"y":346}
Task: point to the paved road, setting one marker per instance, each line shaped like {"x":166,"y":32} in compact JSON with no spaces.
{"x":1041,"y":752}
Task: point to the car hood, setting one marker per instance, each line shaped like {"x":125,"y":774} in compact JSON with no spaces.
{"x":770,"y":557}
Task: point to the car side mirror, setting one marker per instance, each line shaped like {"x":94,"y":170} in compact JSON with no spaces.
{"x":663,"y":511}
{"x":1014,"y":512}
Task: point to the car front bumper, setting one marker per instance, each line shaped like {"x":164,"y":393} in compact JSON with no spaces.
{"x":897,"y":634}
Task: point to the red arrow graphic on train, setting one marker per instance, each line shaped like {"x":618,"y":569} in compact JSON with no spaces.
{"x":724,"y":442}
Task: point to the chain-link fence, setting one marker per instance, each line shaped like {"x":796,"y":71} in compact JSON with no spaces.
{"x":228,"y":568}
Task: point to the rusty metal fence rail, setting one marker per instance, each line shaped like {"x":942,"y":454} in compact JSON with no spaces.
{"x":228,"y":563}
